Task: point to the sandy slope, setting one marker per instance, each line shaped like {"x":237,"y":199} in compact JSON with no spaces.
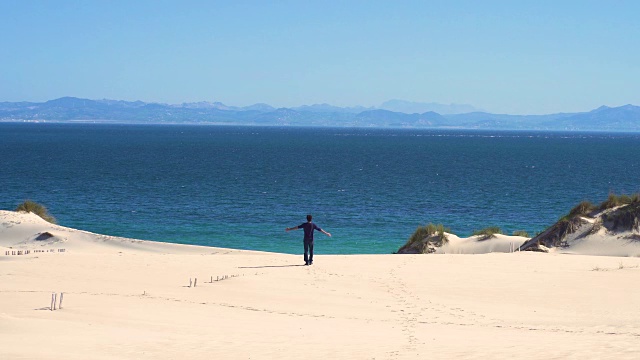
{"x":19,"y":231}
{"x":499,"y":243}
{"x":127,"y":299}
{"x":601,"y":242}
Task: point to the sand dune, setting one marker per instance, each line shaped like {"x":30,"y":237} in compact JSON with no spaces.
{"x":499,"y":243}
{"x":130,"y":299}
{"x":613,"y":231}
{"x":21,"y":230}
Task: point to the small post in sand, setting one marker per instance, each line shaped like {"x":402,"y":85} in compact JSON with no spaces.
{"x":51,"y":306}
{"x":190,"y":282}
{"x":55,"y":299}
{"x":195,"y":282}
{"x":60,"y":305}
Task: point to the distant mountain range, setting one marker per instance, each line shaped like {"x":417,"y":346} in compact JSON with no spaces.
{"x":411,"y":107}
{"x":393,"y":113}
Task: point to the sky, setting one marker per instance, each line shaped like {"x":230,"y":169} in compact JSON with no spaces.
{"x":516,"y":57}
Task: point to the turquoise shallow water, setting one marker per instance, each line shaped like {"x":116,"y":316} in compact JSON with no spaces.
{"x":241,"y":186}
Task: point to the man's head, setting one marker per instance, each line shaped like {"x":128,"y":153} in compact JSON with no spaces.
{"x":309,"y":217}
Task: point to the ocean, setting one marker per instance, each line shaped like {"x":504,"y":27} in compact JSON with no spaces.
{"x":239,"y":187}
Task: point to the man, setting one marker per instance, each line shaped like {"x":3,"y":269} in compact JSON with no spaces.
{"x":308,"y":228}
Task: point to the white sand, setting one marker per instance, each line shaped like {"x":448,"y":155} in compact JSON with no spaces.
{"x":498,"y":243}
{"x":601,"y":242}
{"x":127,"y":299}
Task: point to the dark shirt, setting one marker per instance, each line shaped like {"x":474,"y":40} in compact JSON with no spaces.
{"x":308,"y":228}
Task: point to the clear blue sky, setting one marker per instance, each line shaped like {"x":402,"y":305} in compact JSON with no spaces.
{"x":502,"y":56}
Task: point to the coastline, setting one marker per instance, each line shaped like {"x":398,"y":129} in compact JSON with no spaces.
{"x":210,"y":205}
{"x":130,"y":299}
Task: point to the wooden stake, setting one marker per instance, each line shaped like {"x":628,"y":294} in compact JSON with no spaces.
{"x":195,"y":282}
{"x":51,"y":307}
{"x":60,"y":305}
{"x":190,"y":282}
{"x":55,"y":299}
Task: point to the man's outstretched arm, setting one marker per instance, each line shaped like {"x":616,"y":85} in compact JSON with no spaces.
{"x":326,"y":233}
{"x":292,"y":228}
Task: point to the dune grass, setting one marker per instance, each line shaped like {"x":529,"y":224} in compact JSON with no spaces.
{"x":488,"y":232}
{"x":429,"y":230}
{"x":618,"y":200}
{"x":38,"y":209}
{"x":583,"y":208}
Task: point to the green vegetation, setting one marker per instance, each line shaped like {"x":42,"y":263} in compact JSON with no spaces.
{"x":430,"y":234}
{"x":614,"y":200}
{"x":487,"y":233}
{"x":522,"y":233}
{"x":34,"y":207}
{"x":584,"y":208}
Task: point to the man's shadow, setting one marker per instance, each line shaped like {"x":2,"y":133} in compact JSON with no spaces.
{"x":267,"y":266}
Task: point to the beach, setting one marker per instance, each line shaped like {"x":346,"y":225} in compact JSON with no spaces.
{"x":132,"y":299}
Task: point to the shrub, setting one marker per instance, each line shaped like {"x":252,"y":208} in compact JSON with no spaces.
{"x":423,"y":232}
{"x":488,"y":232}
{"x":522,"y":233}
{"x":613,"y":200}
{"x":441,"y":232}
{"x":34,"y":207}
{"x":584,"y":208}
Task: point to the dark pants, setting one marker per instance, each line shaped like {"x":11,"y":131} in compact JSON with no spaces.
{"x":308,"y":248}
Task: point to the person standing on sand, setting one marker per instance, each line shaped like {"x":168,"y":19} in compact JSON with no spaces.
{"x":308,"y":228}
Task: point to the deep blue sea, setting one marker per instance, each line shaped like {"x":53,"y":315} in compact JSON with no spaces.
{"x":239,"y":187}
